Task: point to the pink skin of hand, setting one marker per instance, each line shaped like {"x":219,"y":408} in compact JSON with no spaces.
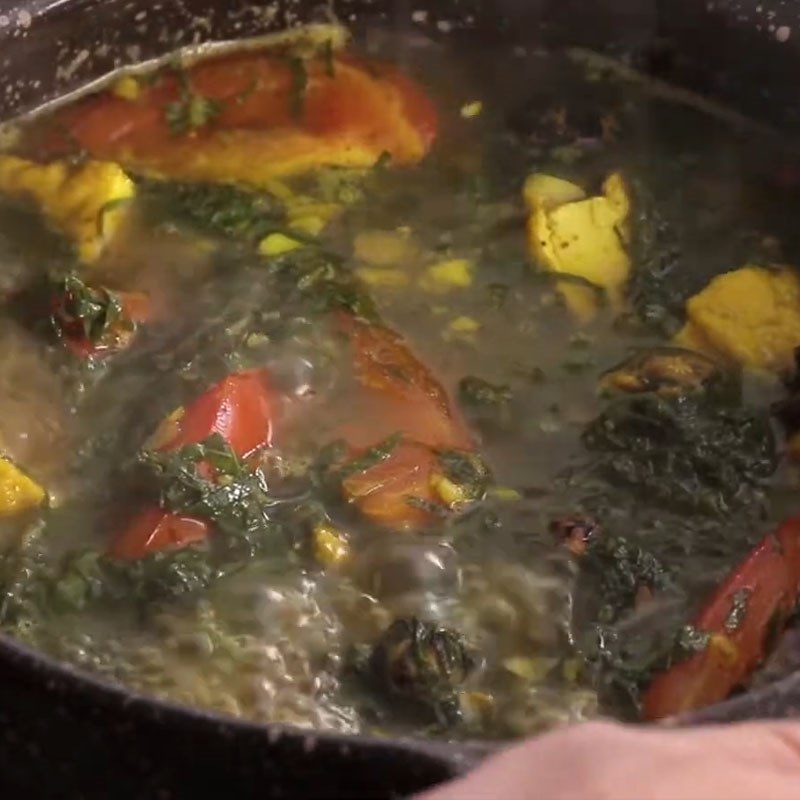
{"x":605,"y":761}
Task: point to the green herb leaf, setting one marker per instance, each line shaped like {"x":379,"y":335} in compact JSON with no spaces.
{"x":623,"y":569}
{"x":477,"y":392}
{"x":328,"y":57}
{"x":192,"y":111}
{"x":420,"y":662}
{"x":83,"y":310}
{"x":299,"y":87}
{"x":466,"y":470}
{"x":236,"y":499}
{"x":691,"y":452}
{"x":217,"y":209}
{"x":372,"y":457}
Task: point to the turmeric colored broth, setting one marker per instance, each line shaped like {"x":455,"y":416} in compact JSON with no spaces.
{"x":318,"y":403}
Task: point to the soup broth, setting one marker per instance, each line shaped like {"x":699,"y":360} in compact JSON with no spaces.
{"x":405,"y":399}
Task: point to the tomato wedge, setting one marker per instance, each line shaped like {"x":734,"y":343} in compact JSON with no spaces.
{"x":403,"y":398}
{"x":385,"y":493}
{"x":407,"y":398}
{"x":241,"y":408}
{"x":250,"y":117}
{"x":158,"y":530}
{"x":755,"y":599}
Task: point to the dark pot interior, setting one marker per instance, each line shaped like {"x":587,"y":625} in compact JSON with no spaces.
{"x":64,"y":735}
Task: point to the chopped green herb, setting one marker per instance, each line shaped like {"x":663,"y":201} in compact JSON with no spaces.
{"x":299,"y":86}
{"x":372,"y":457}
{"x":192,"y":111}
{"x":428,"y":506}
{"x":236,"y":499}
{"x":84,"y":310}
{"x":217,"y":209}
{"x":466,"y":470}
{"x":623,"y":569}
{"x":688,"y":452}
{"x":477,"y":392}
{"x":329,"y":59}
{"x":498,"y":295}
{"x":322,"y":280}
{"x":245,"y":94}
{"x":423,"y":663}
{"x":656,"y":295}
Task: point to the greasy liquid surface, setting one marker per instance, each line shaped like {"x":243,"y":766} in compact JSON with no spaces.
{"x":274,"y":639}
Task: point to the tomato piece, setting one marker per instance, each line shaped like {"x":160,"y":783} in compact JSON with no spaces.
{"x":417,"y":106}
{"x":385,"y":493}
{"x":400,"y":396}
{"x":157,"y":530}
{"x":257,"y":122}
{"x":403,"y":398}
{"x":241,"y":408}
{"x":407,"y":397}
{"x":766,"y":585}
{"x":136,"y":306}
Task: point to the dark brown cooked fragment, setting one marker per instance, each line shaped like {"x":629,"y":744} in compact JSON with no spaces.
{"x":667,"y":371}
{"x":576,"y":532}
{"x":422,"y":663}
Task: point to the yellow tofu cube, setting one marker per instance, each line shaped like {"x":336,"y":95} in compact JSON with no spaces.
{"x":87,"y":202}
{"x":582,"y":237}
{"x":751,"y":316}
{"x":547,"y":191}
{"x":18,"y":492}
{"x":447,"y":275}
{"x":581,"y":300}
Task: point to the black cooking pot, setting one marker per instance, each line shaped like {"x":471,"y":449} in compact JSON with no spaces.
{"x":64,"y":734}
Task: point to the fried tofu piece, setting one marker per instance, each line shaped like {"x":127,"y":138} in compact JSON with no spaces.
{"x":86,"y":203}
{"x":750,"y":316}
{"x":18,"y":492}
{"x":547,"y":191}
{"x":584,"y":237}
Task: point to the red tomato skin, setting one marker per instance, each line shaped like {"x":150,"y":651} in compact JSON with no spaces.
{"x":156,"y":531}
{"x":363,"y":105}
{"x":771,"y":575}
{"x":241,"y":408}
{"x":382,"y":492}
{"x":407,"y":396}
{"x":404,"y":397}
